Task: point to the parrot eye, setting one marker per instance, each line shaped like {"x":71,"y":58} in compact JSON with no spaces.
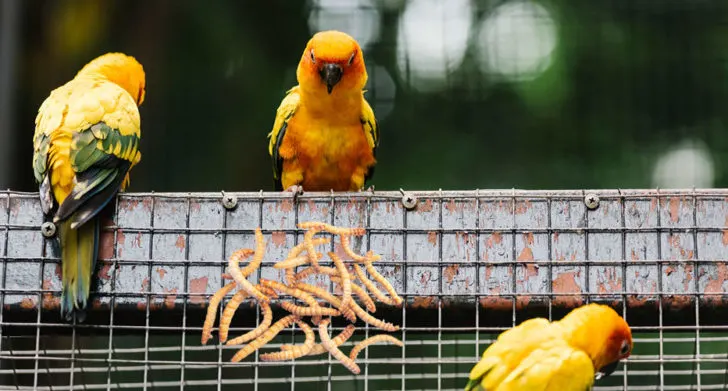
{"x":313,"y":58}
{"x":351,"y":59}
{"x":624,"y":349}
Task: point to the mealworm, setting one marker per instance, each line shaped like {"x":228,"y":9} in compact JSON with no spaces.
{"x":319,"y":226}
{"x":293,"y":262}
{"x":290,"y":277}
{"x":339,"y":340}
{"x":371,"y":287}
{"x":347,"y":312}
{"x":240,"y":278}
{"x":295,"y":351}
{"x":309,"y":311}
{"x":297,"y":293}
{"x":212,"y":311}
{"x":371,"y":340}
{"x":298,"y":249}
{"x":264,"y":338}
{"x":267,"y":291}
{"x":227,"y":276}
{"x":228,"y":312}
{"x":255,"y":333}
{"x":366,"y":317}
{"x":329,"y":345}
{"x":383,"y":282}
{"x":361,"y":293}
{"x":345,"y":245}
{"x":312,"y":254}
{"x":345,"y":280}
{"x":258,"y":254}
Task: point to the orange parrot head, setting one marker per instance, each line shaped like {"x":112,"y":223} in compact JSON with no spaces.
{"x":331,"y":62}
{"x":599,"y":331}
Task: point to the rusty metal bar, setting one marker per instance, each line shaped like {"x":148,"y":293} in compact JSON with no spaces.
{"x":554,"y":249}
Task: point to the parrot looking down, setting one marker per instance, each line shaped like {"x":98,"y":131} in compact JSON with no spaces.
{"x":325,"y":135}
{"x":565,"y":355}
{"x":86,"y":141}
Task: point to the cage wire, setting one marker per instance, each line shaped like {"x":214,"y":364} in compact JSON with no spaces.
{"x":468,"y":264}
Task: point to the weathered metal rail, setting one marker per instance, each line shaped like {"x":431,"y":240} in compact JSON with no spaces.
{"x":502,"y":249}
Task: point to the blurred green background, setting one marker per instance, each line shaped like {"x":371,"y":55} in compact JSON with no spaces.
{"x":469,"y":94}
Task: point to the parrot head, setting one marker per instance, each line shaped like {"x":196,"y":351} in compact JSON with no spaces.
{"x":332,"y":59}
{"x":120,"y":69}
{"x":599,"y":331}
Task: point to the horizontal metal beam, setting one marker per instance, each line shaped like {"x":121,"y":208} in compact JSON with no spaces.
{"x":497,"y":248}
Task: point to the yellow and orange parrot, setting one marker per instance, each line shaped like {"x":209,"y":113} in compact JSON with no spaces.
{"x":325,"y":135}
{"x":565,"y":355}
{"x":86,"y":141}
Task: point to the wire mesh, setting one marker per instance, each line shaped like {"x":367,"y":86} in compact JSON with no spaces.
{"x":469,"y":265}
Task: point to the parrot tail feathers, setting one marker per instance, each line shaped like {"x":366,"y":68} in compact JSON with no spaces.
{"x":79,"y":251}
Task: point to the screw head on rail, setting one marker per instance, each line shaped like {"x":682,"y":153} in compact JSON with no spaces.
{"x":409,"y":201}
{"x":591,"y":201}
{"x":229,"y":201}
{"x":48,"y":229}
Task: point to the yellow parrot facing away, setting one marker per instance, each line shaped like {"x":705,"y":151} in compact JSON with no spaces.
{"x":565,"y":355}
{"x":86,"y":141}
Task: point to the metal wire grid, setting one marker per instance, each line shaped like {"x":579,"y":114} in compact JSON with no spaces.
{"x":469,"y":264}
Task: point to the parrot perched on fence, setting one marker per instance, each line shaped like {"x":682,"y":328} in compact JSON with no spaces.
{"x":565,"y":355}
{"x":325,"y":135}
{"x":86,"y":141}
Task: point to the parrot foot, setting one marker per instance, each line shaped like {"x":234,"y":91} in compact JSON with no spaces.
{"x":296,"y":190}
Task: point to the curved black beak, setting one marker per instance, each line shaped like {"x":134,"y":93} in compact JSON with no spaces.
{"x":607,"y":370}
{"x":331,"y":74}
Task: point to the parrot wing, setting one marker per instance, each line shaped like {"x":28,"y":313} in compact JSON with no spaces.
{"x":103,"y":121}
{"x":285,"y":111}
{"x":553,"y":366}
{"x":500,"y":358}
{"x":371,"y":131}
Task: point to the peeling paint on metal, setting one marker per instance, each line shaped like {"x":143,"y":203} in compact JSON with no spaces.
{"x":198,"y":286}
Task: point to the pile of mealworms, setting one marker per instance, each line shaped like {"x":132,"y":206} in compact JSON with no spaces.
{"x":345,"y":305}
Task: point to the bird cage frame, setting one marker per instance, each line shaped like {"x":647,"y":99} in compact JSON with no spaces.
{"x":468,"y":264}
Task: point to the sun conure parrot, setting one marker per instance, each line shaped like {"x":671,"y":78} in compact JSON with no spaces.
{"x":565,"y":355}
{"x":86,"y":141}
{"x":325,"y":135}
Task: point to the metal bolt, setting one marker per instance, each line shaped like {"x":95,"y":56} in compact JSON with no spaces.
{"x":229,"y":201}
{"x":409,"y":201}
{"x":48,"y":229}
{"x":591,"y":201}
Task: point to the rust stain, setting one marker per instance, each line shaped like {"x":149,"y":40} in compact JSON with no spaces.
{"x":339,"y":251}
{"x":106,"y":245}
{"x":450,"y":272}
{"x":669,"y":270}
{"x":104,"y":272}
{"x":28,"y":303}
{"x":432,"y":238}
{"x":527,"y":256}
{"x":147,"y":204}
{"x":137,"y":240}
{"x":725,"y":233}
{"x":528,"y":237}
{"x":142,"y":306}
{"x":171,"y":297}
{"x":49,"y":301}
{"x":452,"y":207}
{"x":496,"y":303}
{"x":522,"y":302}
{"x":424,"y":207}
{"x":714,"y":288}
{"x":424,"y":302}
{"x":523,"y":207}
{"x":121,"y":240}
{"x":677,"y":302}
{"x":180,"y":243}
{"x":198,"y":286}
{"x":195,"y":206}
{"x":566,"y":283}
{"x":674,"y":209}
{"x":286,"y":205}
{"x":145,"y":285}
{"x":278,"y":238}
{"x":59,"y":270}
{"x":161,"y":272}
{"x":653,"y":204}
{"x":312,"y":206}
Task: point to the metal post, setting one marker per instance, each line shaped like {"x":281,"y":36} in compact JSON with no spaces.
{"x":9,"y":28}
